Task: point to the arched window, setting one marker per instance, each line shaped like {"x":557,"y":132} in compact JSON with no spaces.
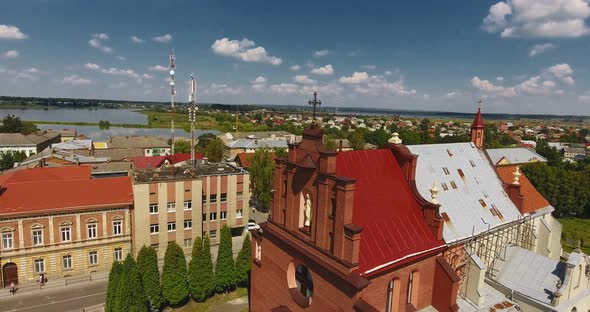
{"x":413,"y":285}
{"x":410,"y":288}
{"x":393,"y":289}
{"x":389,"y":296}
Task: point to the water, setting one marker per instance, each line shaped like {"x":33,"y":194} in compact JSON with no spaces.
{"x":94,"y":133}
{"x":114,"y":116}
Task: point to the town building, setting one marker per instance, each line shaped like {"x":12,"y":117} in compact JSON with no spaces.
{"x":244,"y":160}
{"x":250,"y":145}
{"x":151,"y":145}
{"x":180,"y":203}
{"x":61,"y":222}
{"x":514,"y":156}
{"x":347,"y":232}
{"x":178,"y":159}
{"x":574,"y":153}
{"x":261,"y":136}
{"x":65,"y":134}
{"x":29,"y":144}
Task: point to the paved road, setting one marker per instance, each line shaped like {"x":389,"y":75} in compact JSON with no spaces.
{"x":58,"y":299}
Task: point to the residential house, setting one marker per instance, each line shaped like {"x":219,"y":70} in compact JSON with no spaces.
{"x":151,"y":145}
{"x":29,"y":144}
{"x":514,"y":156}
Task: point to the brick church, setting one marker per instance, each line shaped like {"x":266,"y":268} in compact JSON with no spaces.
{"x":349,"y":231}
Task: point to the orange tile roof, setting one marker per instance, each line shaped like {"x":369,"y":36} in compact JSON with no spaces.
{"x":58,"y":189}
{"x":533,"y":199}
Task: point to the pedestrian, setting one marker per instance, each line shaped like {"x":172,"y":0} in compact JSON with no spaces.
{"x":41,"y":280}
{"x":12,"y":288}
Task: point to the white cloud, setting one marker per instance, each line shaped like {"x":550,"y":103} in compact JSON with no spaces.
{"x":388,"y":73}
{"x":215,"y":88}
{"x":92,"y":66}
{"x":120,"y":72}
{"x":321,"y":53}
{"x":357,"y":77}
{"x":97,"y":43}
{"x":500,"y":78}
{"x":101,"y":36}
{"x":540,"y":48}
{"x":163,"y":39}
{"x":584,"y":98}
{"x":369,"y":67}
{"x":295,"y":67}
{"x":538,"y":18}
{"x":121,"y":58}
{"x":260,"y":79}
{"x":147,"y":76}
{"x":9,"y":32}
{"x":136,"y":39}
{"x":75,"y":80}
{"x":453,"y":94}
{"x":325,"y":70}
{"x":27,"y":73}
{"x":562,"y":71}
{"x":304,"y":79}
{"x":244,"y":50}
{"x":284,"y":88}
{"x":488,"y":87}
{"x":11,"y":54}
{"x":158,"y":68}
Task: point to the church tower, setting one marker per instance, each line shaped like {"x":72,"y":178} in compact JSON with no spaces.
{"x":477,"y":129}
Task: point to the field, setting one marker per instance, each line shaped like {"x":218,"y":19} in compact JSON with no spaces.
{"x":575,"y":229}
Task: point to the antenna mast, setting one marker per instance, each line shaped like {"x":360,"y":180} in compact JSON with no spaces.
{"x":192,"y":115}
{"x":172,"y":92}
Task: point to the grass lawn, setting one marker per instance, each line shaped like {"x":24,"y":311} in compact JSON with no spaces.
{"x":193,"y":306}
{"x":575,"y":229}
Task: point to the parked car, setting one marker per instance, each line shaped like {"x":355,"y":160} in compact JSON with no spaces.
{"x":253,"y":226}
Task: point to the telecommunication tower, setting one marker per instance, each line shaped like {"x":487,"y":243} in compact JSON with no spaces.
{"x":172,"y":92}
{"x":192,"y":115}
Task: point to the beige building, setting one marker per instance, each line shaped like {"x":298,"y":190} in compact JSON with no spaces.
{"x":179,"y":204}
{"x":60,"y":222}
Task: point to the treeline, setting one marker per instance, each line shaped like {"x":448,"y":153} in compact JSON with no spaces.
{"x":139,"y":286}
{"x":69,"y":102}
{"x":564,"y":185}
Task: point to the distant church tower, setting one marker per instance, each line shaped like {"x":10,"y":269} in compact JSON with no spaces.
{"x":477,"y":128}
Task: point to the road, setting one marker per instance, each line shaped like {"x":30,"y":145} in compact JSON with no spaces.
{"x":58,"y":299}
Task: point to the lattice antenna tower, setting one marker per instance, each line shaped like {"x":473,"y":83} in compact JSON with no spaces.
{"x":172,"y":92}
{"x":192,"y":115}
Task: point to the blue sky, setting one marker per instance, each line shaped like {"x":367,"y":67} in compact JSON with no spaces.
{"x":520,"y":56}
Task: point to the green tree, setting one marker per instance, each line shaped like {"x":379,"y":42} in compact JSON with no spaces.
{"x":174,"y":282}
{"x":281,"y":153}
{"x":261,"y":177}
{"x":215,"y":150}
{"x":203,"y":141}
{"x":200,"y":272}
{"x":182,"y":146}
{"x":147,"y":263}
{"x":225,"y":279}
{"x":357,"y":140}
{"x":243,"y":263}
{"x":378,"y":137}
{"x":104,"y":124}
{"x":208,"y":264}
{"x":130,"y":293}
{"x":8,"y":158}
{"x":11,"y":124}
{"x":330,"y":143}
{"x":410,"y":137}
{"x":114,"y":277}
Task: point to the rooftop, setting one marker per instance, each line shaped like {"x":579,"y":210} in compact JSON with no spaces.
{"x":471,"y":195}
{"x":254,"y":144}
{"x":394,"y":230}
{"x":145,"y":162}
{"x":184,"y":172}
{"x":73,"y":145}
{"x":137,"y":141}
{"x":533,"y":199}
{"x":33,"y":139}
{"x":517,"y":155}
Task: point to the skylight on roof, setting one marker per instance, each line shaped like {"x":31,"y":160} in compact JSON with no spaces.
{"x":446,"y":170}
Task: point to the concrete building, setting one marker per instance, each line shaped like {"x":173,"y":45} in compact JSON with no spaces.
{"x":151,"y":145}
{"x":250,"y":145}
{"x":180,"y":203}
{"x":60,"y":222}
{"x":262,"y":135}
{"x":346,"y":232}
{"x":29,"y":144}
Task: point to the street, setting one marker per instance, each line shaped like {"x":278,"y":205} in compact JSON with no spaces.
{"x":59,"y":299}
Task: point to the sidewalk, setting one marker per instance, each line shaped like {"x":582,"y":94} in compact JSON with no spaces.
{"x":61,"y":284}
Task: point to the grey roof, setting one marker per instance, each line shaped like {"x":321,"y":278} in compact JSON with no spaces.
{"x":260,"y":135}
{"x":529,"y":273}
{"x":114,"y":153}
{"x":12,"y":139}
{"x":254,"y":144}
{"x":73,"y":144}
{"x":517,"y":155}
{"x":137,"y":141}
{"x":577,"y":150}
{"x":42,"y":136}
{"x":471,"y":195}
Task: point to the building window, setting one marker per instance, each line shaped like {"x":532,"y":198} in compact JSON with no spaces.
{"x":223,"y":197}
{"x":154,"y":228}
{"x":213,"y":198}
{"x":117,"y":228}
{"x":304,"y":281}
{"x":7,"y":241}
{"x":91,"y":230}
{"x":240,"y":195}
{"x":37,"y":237}
{"x":204,"y":198}
{"x":66,"y":234}
{"x":93,"y":257}
{"x":171,"y":207}
{"x":389,"y":302}
{"x":212,"y":234}
{"x":213,"y":216}
{"x":188,"y":205}
{"x":118,"y":254}
{"x":258,"y":254}
{"x":239,"y":213}
{"x":204,"y":217}
{"x":154,"y":209}
{"x":223,"y":215}
{"x":188,"y":242}
{"x":67,"y":262}
{"x":39,"y":266}
{"x":410,"y":288}
{"x":171,"y":226}
{"x":472,"y":163}
{"x":188,"y":224}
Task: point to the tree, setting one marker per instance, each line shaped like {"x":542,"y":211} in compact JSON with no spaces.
{"x":182,"y":146}
{"x":11,"y":124}
{"x":200,"y":273}
{"x":174,"y":283}
{"x":243,"y":263}
{"x":130,"y":293}
{"x":410,"y":137}
{"x":357,"y":140}
{"x":104,"y":124}
{"x":147,"y":263}
{"x":208,"y":264}
{"x":114,"y":276}
{"x":202,"y":142}
{"x":378,"y":137}
{"x":330,"y":143}
{"x":215,"y":149}
{"x":224,"y":268}
{"x":281,"y":153}
{"x":8,"y":158}
{"x":261,"y":177}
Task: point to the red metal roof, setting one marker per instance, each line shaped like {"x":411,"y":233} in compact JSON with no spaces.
{"x":394,"y":230}
{"x":478,"y":121}
{"x":533,"y":199}
{"x":60,"y":189}
{"x":245,"y":159}
{"x":143,"y":162}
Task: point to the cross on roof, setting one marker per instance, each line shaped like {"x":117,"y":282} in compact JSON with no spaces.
{"x":315,"y":103}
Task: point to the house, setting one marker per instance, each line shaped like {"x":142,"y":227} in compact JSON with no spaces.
{"x":514,"y":156}
{"x":66,"y":134}
{"x":61,"y":222}
{"x":250,"y":145}
{"x":29,"y":144}
{"x":244,"y":160}
{"x":346,"y":232}
{"x":151,"y":145}
{"x":261,"y":136}
{"x":146,"y":162}
{"x":574,"y":153}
